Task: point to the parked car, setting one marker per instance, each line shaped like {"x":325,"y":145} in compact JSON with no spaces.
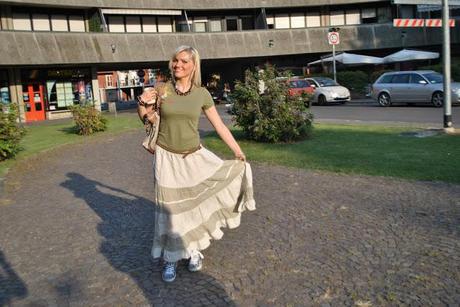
{"x":327,"y":90}
{"x":299,"y":86}
{"x":424,"y":86}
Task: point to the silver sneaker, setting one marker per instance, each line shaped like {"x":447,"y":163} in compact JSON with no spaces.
{"x":196,"y":261}
{"x":169,"y":271}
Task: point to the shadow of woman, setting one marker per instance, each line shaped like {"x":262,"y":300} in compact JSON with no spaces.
{"x":127,"y":225}
{"x":11,"y":285}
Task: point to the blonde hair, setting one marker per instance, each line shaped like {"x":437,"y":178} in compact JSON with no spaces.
{"x":196,"y":73}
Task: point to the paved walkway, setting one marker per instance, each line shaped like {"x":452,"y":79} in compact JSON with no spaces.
{"x":76,"y":230}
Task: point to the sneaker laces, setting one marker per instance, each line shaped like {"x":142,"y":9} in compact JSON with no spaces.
{"x":170,"y":268}
{"x":195,"y":257}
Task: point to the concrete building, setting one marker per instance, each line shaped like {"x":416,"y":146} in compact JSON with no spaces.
{"x":57,"y":53}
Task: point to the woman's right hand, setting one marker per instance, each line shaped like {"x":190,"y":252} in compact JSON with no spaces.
{"x":148,"y":97}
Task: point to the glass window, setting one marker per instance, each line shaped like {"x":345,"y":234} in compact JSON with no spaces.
{"x":215,"y":25}
{"x":77,"y":23}
{"x":406,"y":11}
{"x":116,"y":23}
{"x":149,"y":24}
{"x":313,"y":19}
{"x":199,"y":24}
{"x":4,"y":89}
{"x":41,"y":22}
{"x":133,"y":24}
{"x":369,"y":15}
{"x":232,"y":24}
{"x":282,"y":21}
{"x":384,"y":14}
{"x":247,"y":23}
{"x":181,"y":26}
{"x":270,"y":21}
{"x":164,"y":24}
{"x":386,"y":79}
{"x":337,"y":18}
{"x":298,"y":20}
{"x":353,"y":17}
{"x":415,"y":78}
{"x":434,"y":77}
{"x":59,"y":23}
{"x":400,"y":78}
{"x":22,"y":22}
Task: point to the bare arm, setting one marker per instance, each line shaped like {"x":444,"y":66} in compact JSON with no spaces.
{"x":143,"y":109}
{"x":223,"y":132}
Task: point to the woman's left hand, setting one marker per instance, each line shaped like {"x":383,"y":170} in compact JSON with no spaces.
{"x":240,"y":156}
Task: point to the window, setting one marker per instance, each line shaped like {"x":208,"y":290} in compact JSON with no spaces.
{"x":386,"y":79}
{"x":77,"y":23}
{"x":247,"y":23}
{"x":232,"y":23}
{"x":4,"y":89}
{"x":369,"y":15}
{"x":313,"y":19}
{"x":109,"y":80}
{"x":116,"y":24}
{"x":41,"y":22}
{"x":282,"y":21}
{"x":270,"y":21}
{"x":164,"y":24}
{"x":215,"y":25}
{"x":149,"y":24}
{"x":182,"y":26}
{"x":400,"y":78}
{"x":59,"y":23}
{"x":406,"y":11}
{"x":298,"y":20}
{"x":417,"y":79}
{"x":384,"y":14}
{"x":199,"y":24}
{"x":353,"y":17}
{"x":133,"y":24}
{"x":337,"y":18}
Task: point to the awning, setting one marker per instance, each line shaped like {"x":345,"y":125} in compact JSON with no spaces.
{"x":429,"y":7}
{"x":430,"y":2}
{"x":350,"y":59}
{"x":140,"y":12}
{"x":410,"y":55}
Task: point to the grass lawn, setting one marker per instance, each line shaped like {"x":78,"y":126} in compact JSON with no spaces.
{"x":49,"y":135}
{"x":369,"y":150}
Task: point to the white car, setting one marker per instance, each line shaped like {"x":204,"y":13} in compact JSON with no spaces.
{"x":327,"y":90}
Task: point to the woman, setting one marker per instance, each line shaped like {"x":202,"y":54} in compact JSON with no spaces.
{"x":196,"y":192}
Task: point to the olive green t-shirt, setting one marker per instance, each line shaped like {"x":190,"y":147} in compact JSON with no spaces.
{"x":180,"y":116}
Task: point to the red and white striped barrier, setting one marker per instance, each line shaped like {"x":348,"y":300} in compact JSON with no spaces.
{"x":438,"y":23}
{"x":405,"y":22}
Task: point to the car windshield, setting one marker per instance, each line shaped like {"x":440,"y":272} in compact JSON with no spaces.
{"x":326,"y":82}
{"x":298,"y":84}
{"x":433,"y":77}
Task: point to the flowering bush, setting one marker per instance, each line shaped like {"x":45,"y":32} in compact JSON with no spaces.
{"x":266,"y":112}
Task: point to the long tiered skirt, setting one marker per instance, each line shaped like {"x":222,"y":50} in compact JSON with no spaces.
{"x":196,"y":196}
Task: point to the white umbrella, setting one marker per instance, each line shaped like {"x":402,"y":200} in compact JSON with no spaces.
{"x":350,"y":59}
{"x":410,"y":55}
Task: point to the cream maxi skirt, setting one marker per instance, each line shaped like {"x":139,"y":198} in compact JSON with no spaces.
{"x":195,"y":197}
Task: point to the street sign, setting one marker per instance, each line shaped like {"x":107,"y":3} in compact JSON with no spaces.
{"x":333,"y":38}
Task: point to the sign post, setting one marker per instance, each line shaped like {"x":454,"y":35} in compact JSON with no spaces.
{"x":334,"y":39}
{"x":446,"y":61}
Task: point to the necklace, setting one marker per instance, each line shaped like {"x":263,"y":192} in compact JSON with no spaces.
{"x":178,"y":92}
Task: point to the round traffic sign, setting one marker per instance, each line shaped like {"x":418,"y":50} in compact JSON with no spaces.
{"x":333,"y":38}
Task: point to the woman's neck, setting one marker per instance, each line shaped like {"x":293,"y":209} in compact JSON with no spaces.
{"x":183,"y":85}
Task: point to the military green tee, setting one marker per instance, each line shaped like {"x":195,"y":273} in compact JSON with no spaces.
{"x":180,"y":116}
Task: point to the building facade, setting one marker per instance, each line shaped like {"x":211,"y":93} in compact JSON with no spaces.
{"x":55,"y":54}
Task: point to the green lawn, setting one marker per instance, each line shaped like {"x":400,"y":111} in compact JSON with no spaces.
{"x":370,"y":150}
{"x":49,"y":135}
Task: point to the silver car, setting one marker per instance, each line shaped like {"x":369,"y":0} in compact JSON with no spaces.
{"x":412,"y":86}
{"x":327,"y":90}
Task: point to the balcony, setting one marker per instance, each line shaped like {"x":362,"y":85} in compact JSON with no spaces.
{"x":61,"y":48}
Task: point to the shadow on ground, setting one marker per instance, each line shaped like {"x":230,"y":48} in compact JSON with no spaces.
{"x":11,"y":285}
{"x":127,"y":226}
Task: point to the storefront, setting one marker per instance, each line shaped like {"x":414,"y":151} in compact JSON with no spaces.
{"x":5,"y":98}
{"x":48,"y":93}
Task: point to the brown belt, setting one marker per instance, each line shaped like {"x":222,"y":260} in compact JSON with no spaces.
{"x":183,"y":153}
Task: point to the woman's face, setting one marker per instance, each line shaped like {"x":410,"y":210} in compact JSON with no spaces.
{"x":183,"y":65}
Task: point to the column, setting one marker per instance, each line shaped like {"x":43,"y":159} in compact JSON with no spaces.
{"x":95,"y":87}
{"x":15,"y":87}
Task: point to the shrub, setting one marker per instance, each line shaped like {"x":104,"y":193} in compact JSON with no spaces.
{"x":87,"y":119}
{"x":271,"y":116}
{"x":10,"y":132}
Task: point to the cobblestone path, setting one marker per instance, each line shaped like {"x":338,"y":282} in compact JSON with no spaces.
{"x":76,"y":230}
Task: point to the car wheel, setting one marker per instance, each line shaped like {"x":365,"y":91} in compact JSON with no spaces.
{"x":322,"y":100}
{"x":437,"y":99}
{"x":384,"y":100}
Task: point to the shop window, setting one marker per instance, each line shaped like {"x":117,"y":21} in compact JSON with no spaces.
{"x":298,"y":20}
{"x":133,"y":24}
{"x":165,"y":24}
{"x":282,"y":21}
{"x":353,"y":17}
{"x":247,"y":23}
{"x":77,"y":23}
{"x":41,"y":22}
{"x":4,"y":89}
{"x":270,"y":21}
{"x":59,"y":23}
{"x":384,"y":14}
{"x":116,"y":23}
{"x":369,"y":15}
{"x":215,"y":25}
{"x":313,"y":19}
{"x":21,"y":21}
{"x":149,"y":24}
{"x":232,"y":24}
{"x":337,"y":18}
